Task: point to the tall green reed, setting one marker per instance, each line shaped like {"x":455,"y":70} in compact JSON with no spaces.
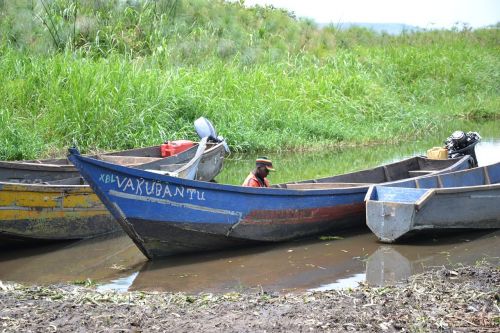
{"x":132,"y":75}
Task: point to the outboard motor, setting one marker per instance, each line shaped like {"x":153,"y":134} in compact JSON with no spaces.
{"x":204,"y":128}
{"x":461,"y":144}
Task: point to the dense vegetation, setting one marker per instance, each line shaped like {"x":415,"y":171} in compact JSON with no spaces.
{"x":124,"y":73}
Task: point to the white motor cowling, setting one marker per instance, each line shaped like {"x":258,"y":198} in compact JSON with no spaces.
{"x":204,"y":128}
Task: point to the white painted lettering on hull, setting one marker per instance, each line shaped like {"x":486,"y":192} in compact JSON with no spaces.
{"x":142,"y":187}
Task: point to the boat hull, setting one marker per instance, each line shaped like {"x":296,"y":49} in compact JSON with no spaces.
{"x":169,"y":237}
{"x":39,"y":213}
{"x":207,"y":219}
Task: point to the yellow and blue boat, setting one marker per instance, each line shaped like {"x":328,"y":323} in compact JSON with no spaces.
{"x":62,"y":210}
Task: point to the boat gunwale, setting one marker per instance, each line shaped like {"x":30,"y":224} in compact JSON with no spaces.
{"x":451,"y":190}
{"x":271,"y":191}
{"x":41,"y":187}
{"x":432,"y":191}
{"x":54,"y":167}
{"x":45,"y":186}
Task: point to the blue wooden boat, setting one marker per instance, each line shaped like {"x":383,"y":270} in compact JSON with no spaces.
{"x":468,"y":199}
{"x":166,"y":215}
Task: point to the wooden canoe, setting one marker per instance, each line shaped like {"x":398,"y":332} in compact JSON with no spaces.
{"x":68,"y":209}
{"x":44,"y":212}
{"x":468,"y":199}
{"x":165,"y":215}
{"x":39,"y":171}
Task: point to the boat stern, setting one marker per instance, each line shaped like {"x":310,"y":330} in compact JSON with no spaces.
{"x":389,"y":221}
{"x":390,"y":211}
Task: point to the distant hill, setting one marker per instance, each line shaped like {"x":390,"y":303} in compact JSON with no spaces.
{"x":390,"y":28}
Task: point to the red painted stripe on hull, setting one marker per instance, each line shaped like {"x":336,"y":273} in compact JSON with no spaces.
{"x":303,"y":216}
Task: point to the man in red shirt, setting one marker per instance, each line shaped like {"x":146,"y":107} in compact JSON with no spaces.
{"x":257,"y":178}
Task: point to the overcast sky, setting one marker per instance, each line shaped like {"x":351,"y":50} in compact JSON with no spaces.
{"x":423,"y":13}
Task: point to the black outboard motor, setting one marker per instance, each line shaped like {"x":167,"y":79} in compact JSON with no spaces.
{"x":461,"y":144}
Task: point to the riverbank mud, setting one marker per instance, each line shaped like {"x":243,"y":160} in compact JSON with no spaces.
{"x":465,"y":299}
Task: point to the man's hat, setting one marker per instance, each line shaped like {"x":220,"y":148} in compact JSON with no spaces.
{"x":264,"y":161}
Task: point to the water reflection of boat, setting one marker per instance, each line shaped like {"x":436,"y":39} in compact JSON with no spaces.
{"x":166,"y":215}
{"x":390,"y":264}
{"x":101,"y":258}
{"x":296,"y":265}
{"x":467,"y":199}
{"x":307,"y":264}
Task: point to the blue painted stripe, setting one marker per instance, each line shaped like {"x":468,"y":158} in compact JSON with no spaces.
{"x":399,"y":194}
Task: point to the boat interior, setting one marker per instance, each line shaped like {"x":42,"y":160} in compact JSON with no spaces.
{"x":67,"y":181}
{"x":476,"y":178}
{"x":408,"y":168}
{"x":131,"y":157}
{"x":485,"y":175}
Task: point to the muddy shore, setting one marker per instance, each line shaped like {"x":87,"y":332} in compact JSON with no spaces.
{"x":464,"y":299}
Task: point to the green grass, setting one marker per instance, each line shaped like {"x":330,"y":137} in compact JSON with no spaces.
{"x":135,"y":76}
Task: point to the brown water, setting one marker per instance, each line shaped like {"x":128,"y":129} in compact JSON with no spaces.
{"x":115,"y":263}
{"x":342,"y":261}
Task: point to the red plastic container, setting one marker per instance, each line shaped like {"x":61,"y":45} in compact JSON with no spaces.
{"x":170,"y":148}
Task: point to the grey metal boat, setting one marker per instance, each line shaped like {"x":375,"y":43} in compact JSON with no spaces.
{"x":468,"y":199}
